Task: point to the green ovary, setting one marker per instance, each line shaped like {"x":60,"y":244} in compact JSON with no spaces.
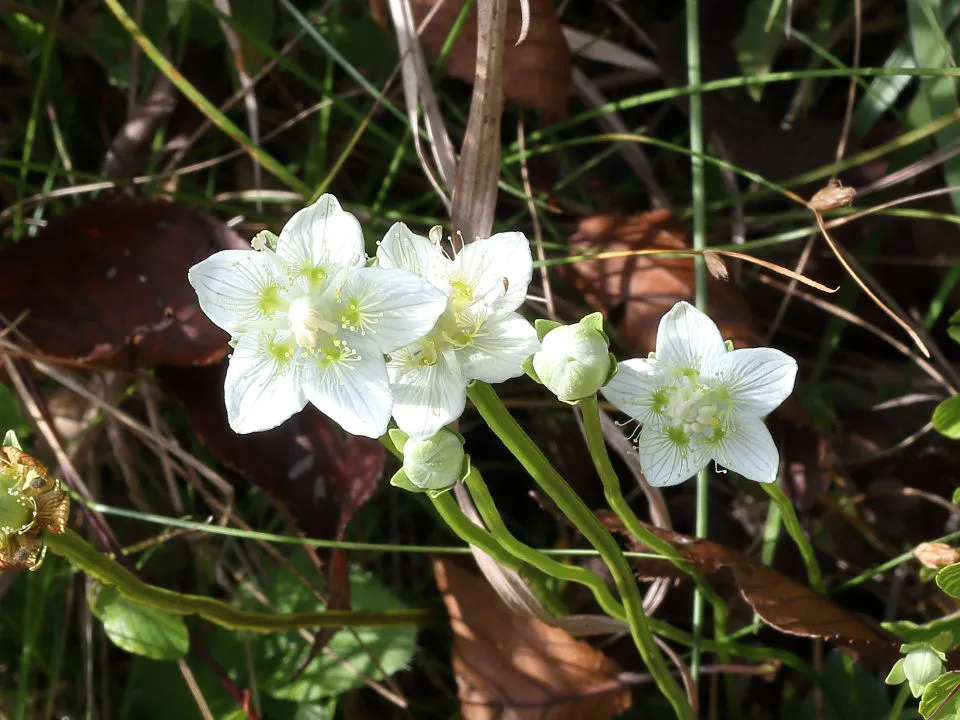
{"x":17,"y":512}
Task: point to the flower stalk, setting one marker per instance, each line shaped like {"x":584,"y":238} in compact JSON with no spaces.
{"x":791,"y":522}
{"x":526,"y":451}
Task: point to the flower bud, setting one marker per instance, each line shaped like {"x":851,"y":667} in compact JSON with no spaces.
{"x":922,"y":663}
{"x":574,"y":360}
{"x":434,"y":463}
{"x":922,"y":666}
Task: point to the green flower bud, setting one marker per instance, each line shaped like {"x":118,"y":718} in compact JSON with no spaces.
{"x":923,"y":662}
{"x":573,"y":361}
{"x":434,"y":463}
{"x":922,"y":666}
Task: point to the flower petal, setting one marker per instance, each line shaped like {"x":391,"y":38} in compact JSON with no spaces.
{"x":759,"y":379}
{"x":392,"y":307}
{"x":498,"y":268}
{"x":260,"y":391}
{"x":749,"y":449}
{"x":498,"y":348}
{"x":403,"y":249}
{"x":426,"y":397}
{"x":237,"y":286}
{"x":320,"y":235}
{"x":632,"y":388}
{"x":354,"y":393}
{"x":662,"y":461}
{"x":688,"y":339}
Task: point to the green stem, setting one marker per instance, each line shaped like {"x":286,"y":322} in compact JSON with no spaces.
{"x":547,"y":565}
{"x":109,"y":572}
{"x":699,"y":207}
{"x":792,"y":523}
{"x":550,"y":481}
{"x":468,"y":531}
{"x":900,"y":702}
{"x":590,"y":412}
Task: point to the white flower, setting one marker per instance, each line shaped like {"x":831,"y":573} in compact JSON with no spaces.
{"x":698,"y":402}
{"x":310,"y":323}
{"x":478,"y":337}
{"x":574,"y":360}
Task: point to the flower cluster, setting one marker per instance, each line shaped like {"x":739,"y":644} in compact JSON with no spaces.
{"x":697,"y":400}
{"x":311,"y":319}
{"x":31,"y":503}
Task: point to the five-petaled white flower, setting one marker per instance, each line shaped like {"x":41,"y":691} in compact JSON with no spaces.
{"x":698,"y":402}
{"x":480,"y":336}
{"x":310,"y":322}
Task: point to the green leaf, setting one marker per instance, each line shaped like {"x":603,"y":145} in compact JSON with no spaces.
{"x":137,"y":629}
{"x":948,"y":579}
{"x":941,"y":697}
{"x":760,"y":39}
{"x":946,"y":417}
{"x":849,"y":692}
{"x":351,"y":656}
{"x":956,"y":496}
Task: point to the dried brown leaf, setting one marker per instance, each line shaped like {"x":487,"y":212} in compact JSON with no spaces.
{"x":536,"y":72}
{"x":635,"y":291}
{"x":784,"y":604}
{"x":515,"y":667}
{"x":936,"y":555}
{"x":107,"y":283}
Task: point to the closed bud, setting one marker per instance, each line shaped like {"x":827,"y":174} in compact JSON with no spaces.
{"x":574,"y":360}
{"x":434,"y":463}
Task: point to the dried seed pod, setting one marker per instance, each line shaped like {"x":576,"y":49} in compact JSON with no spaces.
{"x":31,"y":503}
{"x":833,"y":196}
{"x":936,"y":555}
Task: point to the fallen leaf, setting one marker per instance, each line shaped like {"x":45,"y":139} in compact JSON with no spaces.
{"x":634,"y":291}
{"x":515,"y":667}
{"x":319,"y":474}
{"x":536,"y":73}
{"x":106,"y":283}
{"x":782,"y":603}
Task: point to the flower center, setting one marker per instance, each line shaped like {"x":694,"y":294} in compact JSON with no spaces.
{"x":307,"y":322}
{"x":693,"y":412}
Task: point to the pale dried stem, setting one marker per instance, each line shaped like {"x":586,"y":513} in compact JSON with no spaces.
{"x":535,"y":219}
{"x":840,"y":254}
{"x":839,"y":312}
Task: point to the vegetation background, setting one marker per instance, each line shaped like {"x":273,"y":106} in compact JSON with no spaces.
{"x":137,"y":137}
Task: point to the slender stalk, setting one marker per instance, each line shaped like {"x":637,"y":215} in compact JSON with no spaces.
{"x":590,"y":412}
{"x":472,"y":533}
{"x":792,"y":523}
{"x":550,"y":481}
{"x":570,"y":573}
{"x":699,"y":267}
{"x":109,"y":572}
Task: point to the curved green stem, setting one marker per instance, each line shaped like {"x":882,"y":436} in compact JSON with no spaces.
{"x":109,"y":572}
{"x":792,"y":523}
{"x":590,"y":412}
{"x":550,"y":481}
{"x":470,"y":532}
{"x":571,"y":573}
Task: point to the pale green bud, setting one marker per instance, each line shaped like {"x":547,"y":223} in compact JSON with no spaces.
{"x":922,"y":666}
{"x":923,"y":662}
{"x":573,"y":361}
{"x":436,"y":462}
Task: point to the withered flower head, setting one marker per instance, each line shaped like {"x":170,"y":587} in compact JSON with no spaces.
{"x":31,"y":503}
